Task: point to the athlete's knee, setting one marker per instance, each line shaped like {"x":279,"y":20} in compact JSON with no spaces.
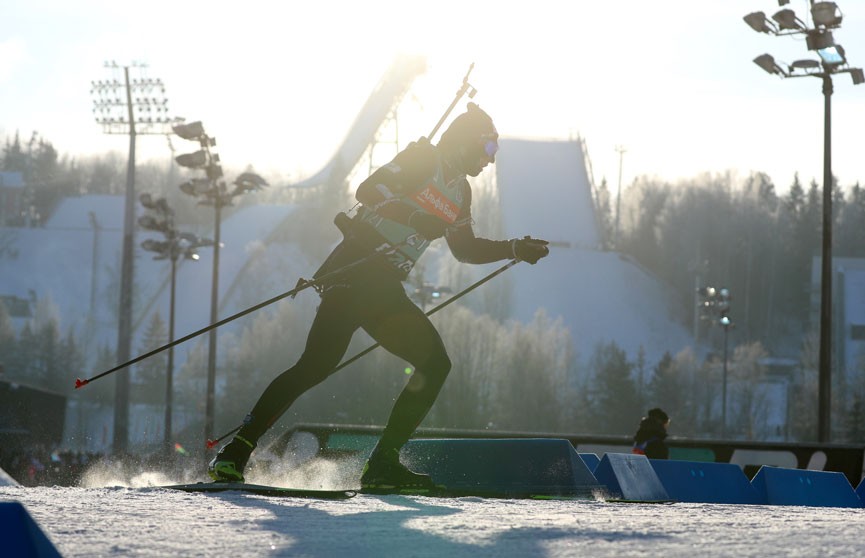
{"x":432,"y":374}
{"x":435,"y":361}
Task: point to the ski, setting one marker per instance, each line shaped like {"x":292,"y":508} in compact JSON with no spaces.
{"x":468,"y":492}
{"x":263,"y":490}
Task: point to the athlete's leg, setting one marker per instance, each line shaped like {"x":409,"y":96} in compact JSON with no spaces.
{"x":334,"y":324}
{"x":408,"y":333}
{"x":328,"y":339}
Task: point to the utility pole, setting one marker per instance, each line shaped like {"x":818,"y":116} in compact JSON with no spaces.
{"x":118,"y":112}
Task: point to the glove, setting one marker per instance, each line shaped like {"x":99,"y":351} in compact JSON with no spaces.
{"x":429,"y":226}
{"x":529,"y":249}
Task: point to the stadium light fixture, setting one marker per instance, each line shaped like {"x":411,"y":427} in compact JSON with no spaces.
{"x":194,"y":160}
{"x":826,"y":14}
{"x":191,"y":131}
{"x":833,"y":55}
{"x":767,"y":62}
{"x":787,"y":20}
{"x":806,"y":64}
{"x":817,"y":40}
{"x":759,"y":22}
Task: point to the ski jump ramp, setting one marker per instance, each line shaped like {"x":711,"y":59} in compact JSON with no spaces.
{"x":385,"y":97}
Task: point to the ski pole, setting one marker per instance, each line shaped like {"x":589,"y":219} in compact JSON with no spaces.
{"x":466,"y":86}
{"x":302,"y":285}
{"x":499,"y":271}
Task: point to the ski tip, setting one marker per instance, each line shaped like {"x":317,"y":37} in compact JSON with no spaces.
{"x":211,"y":443}
{"x":79,"y":383}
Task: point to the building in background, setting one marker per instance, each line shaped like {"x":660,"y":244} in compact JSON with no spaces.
{"x":848,"y":317}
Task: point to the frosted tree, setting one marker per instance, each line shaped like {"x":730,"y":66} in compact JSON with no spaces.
{"x":150,"y":374}
{"x":616,"y":404}
{"x":803,"y":400}
{"x":747,"y":394}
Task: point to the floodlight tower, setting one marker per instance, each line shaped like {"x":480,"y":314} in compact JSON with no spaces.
{"x":213,"y":191}
{"x":825,"y":16}
{"x":119,"y":106}
{"x":176,"y":244}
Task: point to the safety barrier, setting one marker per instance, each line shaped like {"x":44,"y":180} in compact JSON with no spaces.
{"x":503,"y":467}
{"x":713,"y":483}
{"x":21,"y":535}
{"x":630,"y":477}
{"x":591,"y":460}
{"x":7,"y":480}
{"x":698,"y":471}
{"x":860,"y":491}
{"x":801,"y":487}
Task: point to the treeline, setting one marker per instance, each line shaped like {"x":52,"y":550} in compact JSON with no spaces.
{"x":717,"y":231}
{"x":39,"y":354}
{"x":49,"y":177}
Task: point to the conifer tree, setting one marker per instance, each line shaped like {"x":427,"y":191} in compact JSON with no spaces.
{"x":27,"y":367}
{"x":7,"y":342}
{"x":617,"y":409}
{"x":150,"y":374}
{"x":71,"y":362}
{"x":664,"y":385}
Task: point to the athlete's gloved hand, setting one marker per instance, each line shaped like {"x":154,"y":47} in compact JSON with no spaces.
{"x":429,"y":226}
{"x":529,"y":249}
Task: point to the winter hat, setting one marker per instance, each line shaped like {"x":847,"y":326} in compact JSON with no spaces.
{"x":659,"y":415}
{"x":474,"y":126}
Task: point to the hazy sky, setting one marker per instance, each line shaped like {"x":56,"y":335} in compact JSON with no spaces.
{"x":279,"y":83}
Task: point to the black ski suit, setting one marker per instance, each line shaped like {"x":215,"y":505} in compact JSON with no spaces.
{"x":371,"y":296}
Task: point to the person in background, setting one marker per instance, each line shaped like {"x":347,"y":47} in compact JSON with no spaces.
{"x":649,"y":439}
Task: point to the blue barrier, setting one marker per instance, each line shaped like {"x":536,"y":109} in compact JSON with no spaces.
{"x":802,"y":487}
{"x":860,"y":491}
{"x":530,"y":467}
{"x":630,"y":477}
{"x":6,"y":480}
{"x":591,"y":460}
{"x":21,"y":536}
{"x":711,"y":483}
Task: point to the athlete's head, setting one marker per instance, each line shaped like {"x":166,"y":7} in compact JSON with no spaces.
{"x":471,"y":141}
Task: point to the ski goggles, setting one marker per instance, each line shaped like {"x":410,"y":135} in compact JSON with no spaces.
{"x":491,"y":147}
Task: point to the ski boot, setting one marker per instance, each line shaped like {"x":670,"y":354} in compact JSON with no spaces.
{"x":383,"y":472}
{"x":229,"y":463}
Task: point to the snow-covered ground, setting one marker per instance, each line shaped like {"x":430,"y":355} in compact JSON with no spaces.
{"x":128,"y":521}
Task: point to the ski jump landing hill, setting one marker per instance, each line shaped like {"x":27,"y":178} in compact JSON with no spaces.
{"x":602,"y":297}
